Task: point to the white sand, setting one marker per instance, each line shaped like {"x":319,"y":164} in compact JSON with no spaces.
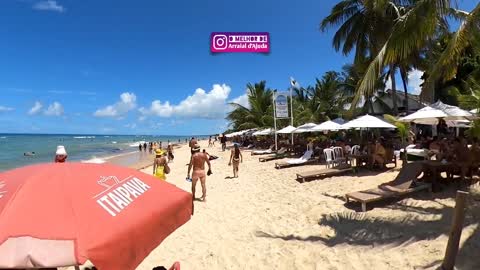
{"x":267,"y":220}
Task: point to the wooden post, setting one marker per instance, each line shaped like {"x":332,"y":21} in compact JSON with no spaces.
{"x":456,"y":231}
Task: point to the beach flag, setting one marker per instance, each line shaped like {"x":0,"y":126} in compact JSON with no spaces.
{"x":294,"y":83}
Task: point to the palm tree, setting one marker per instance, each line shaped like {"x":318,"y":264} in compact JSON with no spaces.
{"x":325,"y":100}
{"x":424,"y":21}
{"x":258,"y":113}
{"x":362,"y":27}
{"x":365,"y":26}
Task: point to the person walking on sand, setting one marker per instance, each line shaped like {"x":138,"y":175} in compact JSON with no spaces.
{"x":170,"y":152}
{"x":197,"y":162}
{"x":60,"y":154}
{"x":160,"y":165}
{"x":235,"y":159}
{"x":210,"y":142}
{"x":193,"y":142}
{"x":223,"y":140}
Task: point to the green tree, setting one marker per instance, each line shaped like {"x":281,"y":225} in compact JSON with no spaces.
{"x":258,"y":113}
{"x":326,"y":100}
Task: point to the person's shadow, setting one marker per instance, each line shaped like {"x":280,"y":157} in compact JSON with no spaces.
{"x":229,"y":177}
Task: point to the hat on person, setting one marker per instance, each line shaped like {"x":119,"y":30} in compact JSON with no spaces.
{"x":196,"y":148}
{"x":61,"y":151}
{"x":159,"y":152}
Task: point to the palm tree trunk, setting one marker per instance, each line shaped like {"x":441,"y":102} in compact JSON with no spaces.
{"x":394,"y":90}
{"x":403,"y":73}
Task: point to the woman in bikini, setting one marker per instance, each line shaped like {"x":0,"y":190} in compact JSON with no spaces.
{"x":160,"y":165}
{"x":235,"y":159}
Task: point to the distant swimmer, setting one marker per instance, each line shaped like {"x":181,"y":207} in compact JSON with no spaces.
{"x":29,"y":154}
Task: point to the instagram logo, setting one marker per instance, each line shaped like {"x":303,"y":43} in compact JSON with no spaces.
{"x":220,"y":42}
{"x":253,"y":42}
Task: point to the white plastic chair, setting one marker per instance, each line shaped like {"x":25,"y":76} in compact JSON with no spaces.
{"x":355,"y":150}
{"x":329,"y":156}
{"x":338,"y":156}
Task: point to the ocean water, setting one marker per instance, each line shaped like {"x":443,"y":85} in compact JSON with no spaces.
{"x":79,"y":147}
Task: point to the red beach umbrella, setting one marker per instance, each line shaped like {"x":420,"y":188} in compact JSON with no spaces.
{"x":63,"y":214}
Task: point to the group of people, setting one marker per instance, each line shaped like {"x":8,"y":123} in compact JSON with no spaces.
{"x":196,"y":167}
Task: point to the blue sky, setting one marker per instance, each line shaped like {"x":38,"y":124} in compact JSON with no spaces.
{"x":144,"y":67}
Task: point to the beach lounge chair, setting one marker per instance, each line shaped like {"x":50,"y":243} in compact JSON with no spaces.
{"x":324,"y":173}
{"x":405,"y":183}
{"x":282,"y":153}
{"x":303,"y":160}
{"x":264,"y":152}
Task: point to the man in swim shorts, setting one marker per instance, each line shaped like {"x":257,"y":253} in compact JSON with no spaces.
{"x":197,"y":161}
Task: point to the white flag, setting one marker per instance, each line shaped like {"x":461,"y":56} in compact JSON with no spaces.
{"x":294,"y":83}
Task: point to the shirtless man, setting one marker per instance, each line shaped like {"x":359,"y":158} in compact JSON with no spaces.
{"x":193,"y":142}
{"x":197,"y":161}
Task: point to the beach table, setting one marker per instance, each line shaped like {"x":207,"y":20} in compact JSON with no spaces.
{"x":432,"y":170}
{"x":357,"y":160}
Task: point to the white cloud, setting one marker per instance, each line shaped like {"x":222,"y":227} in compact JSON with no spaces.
{"x":49,"y":5}
{"x":59,"y":92}
{"x":132,"y":126}
{"x":157,"y":108}
{"x":54,"y":109}
{"x":5,"y":109}
{"x":37,"y":107}
{"x":127,"y":103}
{"x":414,"y":81}
{"x":201,"y":104}
{"x":242,"y":100}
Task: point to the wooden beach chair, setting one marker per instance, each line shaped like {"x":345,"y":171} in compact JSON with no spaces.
{"x":282,"y":153}
{"x":324,"y":173}
{"x":405,"y":183}
{"x":303,"y":160}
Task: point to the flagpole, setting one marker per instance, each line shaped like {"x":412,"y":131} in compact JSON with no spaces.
{"x":291,"y":109}
{"x":275,"y":118}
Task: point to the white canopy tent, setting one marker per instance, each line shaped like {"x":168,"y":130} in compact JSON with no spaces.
{"x":286,"y":130}
{"x":305,"y":128}
{"x":430,"y":114}
{"x":367,"y":121}
{"x":327,"y":126}
{"x":263,"y":132}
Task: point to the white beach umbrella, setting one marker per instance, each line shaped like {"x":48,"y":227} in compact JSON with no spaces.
{"x":327,"y":126}
{"x":474,"y":111}
{"x":287,"y":130}
{"x":305,"y":128}
{"x":458,"y":123}
{"x":264,"y":132}
{"x":430,"y":114}
{"x":367,"y":121}
{"x":452,"y":111}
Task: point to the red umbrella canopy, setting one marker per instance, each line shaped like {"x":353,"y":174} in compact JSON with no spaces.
{"x":62,"y":214}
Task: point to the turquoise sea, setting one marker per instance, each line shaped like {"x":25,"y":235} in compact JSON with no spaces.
{"x":79,"y":147}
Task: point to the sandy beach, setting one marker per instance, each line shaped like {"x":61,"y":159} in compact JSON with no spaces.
{"x":265,"y":219}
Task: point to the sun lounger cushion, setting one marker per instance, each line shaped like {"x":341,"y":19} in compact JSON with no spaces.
{"x":306,"y":157}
